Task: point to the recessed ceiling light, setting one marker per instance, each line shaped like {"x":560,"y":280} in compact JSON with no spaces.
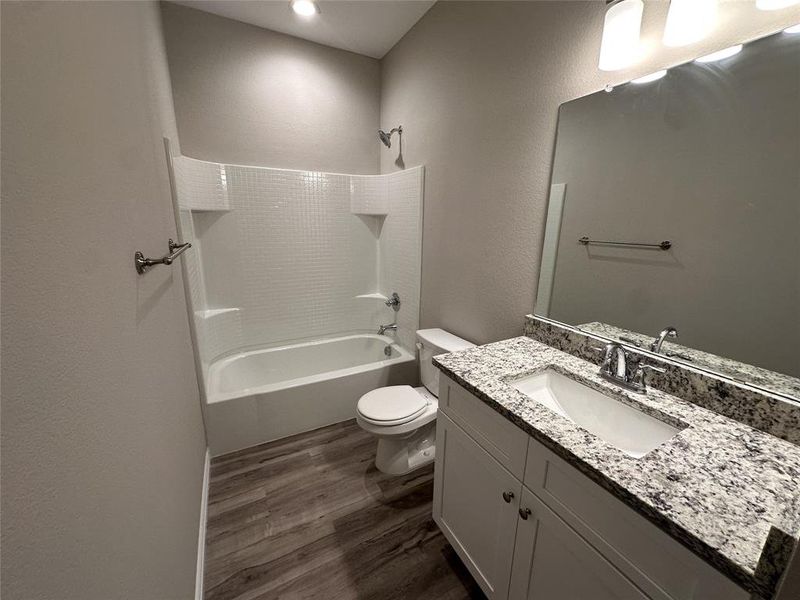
{"x":720,"y":54}
{"x":792,"y":29}
{"x":774,"y":4}
{"x":304,"y":8}
{"x":651,"y":77}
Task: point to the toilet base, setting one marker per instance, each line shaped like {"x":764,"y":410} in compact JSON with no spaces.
{"x":399,"y":455}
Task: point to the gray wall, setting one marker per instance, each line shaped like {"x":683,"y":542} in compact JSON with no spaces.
{"x":477,"y":87}
{"x":247,"y":95}
{"x":708,"y":158}
{"x":102,"y":435}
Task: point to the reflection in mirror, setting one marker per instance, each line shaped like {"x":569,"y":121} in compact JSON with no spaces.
{"x":706,"y":159}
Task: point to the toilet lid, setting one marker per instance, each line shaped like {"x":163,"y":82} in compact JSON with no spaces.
{"x":393,"y":405}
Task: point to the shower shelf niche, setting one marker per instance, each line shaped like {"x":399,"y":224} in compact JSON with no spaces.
{"x":369,"y":195}
{"x":201,"y":186}
{"x":214,"y":312}
{"x":375,"y":296}
{"x":369,"y":212}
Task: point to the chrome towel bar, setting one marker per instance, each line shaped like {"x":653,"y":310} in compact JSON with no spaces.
{"x":665,"y":245}
{"x":175,"y":250}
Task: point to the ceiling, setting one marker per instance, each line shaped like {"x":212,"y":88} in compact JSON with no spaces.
{"x":369,"y":27}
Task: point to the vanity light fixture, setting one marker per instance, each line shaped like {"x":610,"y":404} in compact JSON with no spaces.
{"x":689,"y":21}
{"x":304,"y":8}
{"x":774,"y":4}
{"x":792,"y":29}
{"x":651,"y":77}
{"x":619,"y":47}
{"x":719,"y":55}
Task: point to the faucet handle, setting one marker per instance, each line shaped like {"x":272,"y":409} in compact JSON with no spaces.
{"x":639,"y":375}
{"x":393,"y":301}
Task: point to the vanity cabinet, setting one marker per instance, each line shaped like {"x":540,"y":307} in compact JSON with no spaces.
{"x":476,"y":506}
{"x":552,"y":561}
{"x":529,"y":526}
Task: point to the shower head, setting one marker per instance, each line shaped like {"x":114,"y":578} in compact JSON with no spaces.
{"x":386,"y":138}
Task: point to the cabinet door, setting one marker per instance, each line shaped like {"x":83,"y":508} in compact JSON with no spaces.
{"x":552,"y":561}
{"x":475,"y":504}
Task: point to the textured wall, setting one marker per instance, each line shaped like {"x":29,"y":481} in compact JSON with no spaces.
{"x":102,"y":435}
{"x":476,"y":86}
{"x":251,"y":96}
{"x":283,"y":255}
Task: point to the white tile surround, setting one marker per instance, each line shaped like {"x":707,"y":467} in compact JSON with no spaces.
{"x":294,"y":250}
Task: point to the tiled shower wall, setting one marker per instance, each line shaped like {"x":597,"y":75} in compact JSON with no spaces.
{"x":280,"y":256}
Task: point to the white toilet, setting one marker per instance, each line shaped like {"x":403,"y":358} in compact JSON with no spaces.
{"x":404,"y":418}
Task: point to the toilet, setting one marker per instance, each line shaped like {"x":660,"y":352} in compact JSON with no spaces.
{"x":403,"y":418}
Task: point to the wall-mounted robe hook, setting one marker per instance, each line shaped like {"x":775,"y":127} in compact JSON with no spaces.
{"x":175,"y":250}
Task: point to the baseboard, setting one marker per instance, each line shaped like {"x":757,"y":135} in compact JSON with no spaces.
{"x":201,"y":536}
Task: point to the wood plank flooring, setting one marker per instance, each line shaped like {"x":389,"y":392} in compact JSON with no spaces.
{"x":310,"y":517}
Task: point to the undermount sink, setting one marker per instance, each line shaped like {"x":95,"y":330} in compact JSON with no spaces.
{"x":629,"y":430}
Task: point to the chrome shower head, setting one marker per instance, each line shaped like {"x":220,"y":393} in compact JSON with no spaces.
{"x":386,"y":138}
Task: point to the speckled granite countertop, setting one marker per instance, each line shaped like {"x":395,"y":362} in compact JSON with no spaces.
{"x":770,"y":380}
{"x":727,"y":491}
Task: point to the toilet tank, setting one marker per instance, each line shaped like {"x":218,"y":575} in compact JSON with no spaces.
{"x":431,"y":342}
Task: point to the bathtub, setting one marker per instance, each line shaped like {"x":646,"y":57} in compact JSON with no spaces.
{"x":266,"y":394}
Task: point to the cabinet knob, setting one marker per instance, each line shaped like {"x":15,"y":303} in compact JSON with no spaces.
{"x":507,"y":496}
{"x":524,"y":513}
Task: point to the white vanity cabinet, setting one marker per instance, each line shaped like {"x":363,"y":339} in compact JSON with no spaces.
{"x":552,"y":561}
{"x":476,"y":506}
{"x":529,"y":526}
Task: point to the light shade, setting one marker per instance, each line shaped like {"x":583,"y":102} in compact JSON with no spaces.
{"x":304,"y":8}
{"x":620,"y":45}
{"x":774,"y":4}
{"x":689,"y":21}
{"x":792,"y":29}
{"x":720,"y":54}
{"x":651,"y":77}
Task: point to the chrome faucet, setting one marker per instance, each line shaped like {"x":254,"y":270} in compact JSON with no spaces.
{"x":665,"y":333}
{"x":624,"y":370}
{"x":614,"y":362}
{"x":384,"y":328}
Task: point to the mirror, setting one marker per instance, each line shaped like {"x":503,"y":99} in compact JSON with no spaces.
{"x":676,"y":202}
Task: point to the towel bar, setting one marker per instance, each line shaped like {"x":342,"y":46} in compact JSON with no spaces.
{"x":175,"y":250}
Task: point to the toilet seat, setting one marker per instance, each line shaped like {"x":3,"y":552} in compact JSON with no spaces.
{"x":392,"y":405}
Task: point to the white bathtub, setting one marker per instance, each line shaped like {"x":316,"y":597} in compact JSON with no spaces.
{"x":266,"y":394}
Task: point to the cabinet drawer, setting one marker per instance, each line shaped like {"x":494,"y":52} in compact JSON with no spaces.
{"x":506,"y":442}
{"x":658,"y":564}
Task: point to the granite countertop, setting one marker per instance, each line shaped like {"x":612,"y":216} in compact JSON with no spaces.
{"x":770,"y":380}
{"x":728,"y":492}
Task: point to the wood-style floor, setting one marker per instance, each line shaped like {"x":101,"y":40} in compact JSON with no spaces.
{"x":310,"y":517}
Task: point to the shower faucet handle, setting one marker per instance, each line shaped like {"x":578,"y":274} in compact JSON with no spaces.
{"x":393,"y":302}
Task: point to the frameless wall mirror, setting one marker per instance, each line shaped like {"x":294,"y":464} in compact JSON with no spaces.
{"x":676,"y":202}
